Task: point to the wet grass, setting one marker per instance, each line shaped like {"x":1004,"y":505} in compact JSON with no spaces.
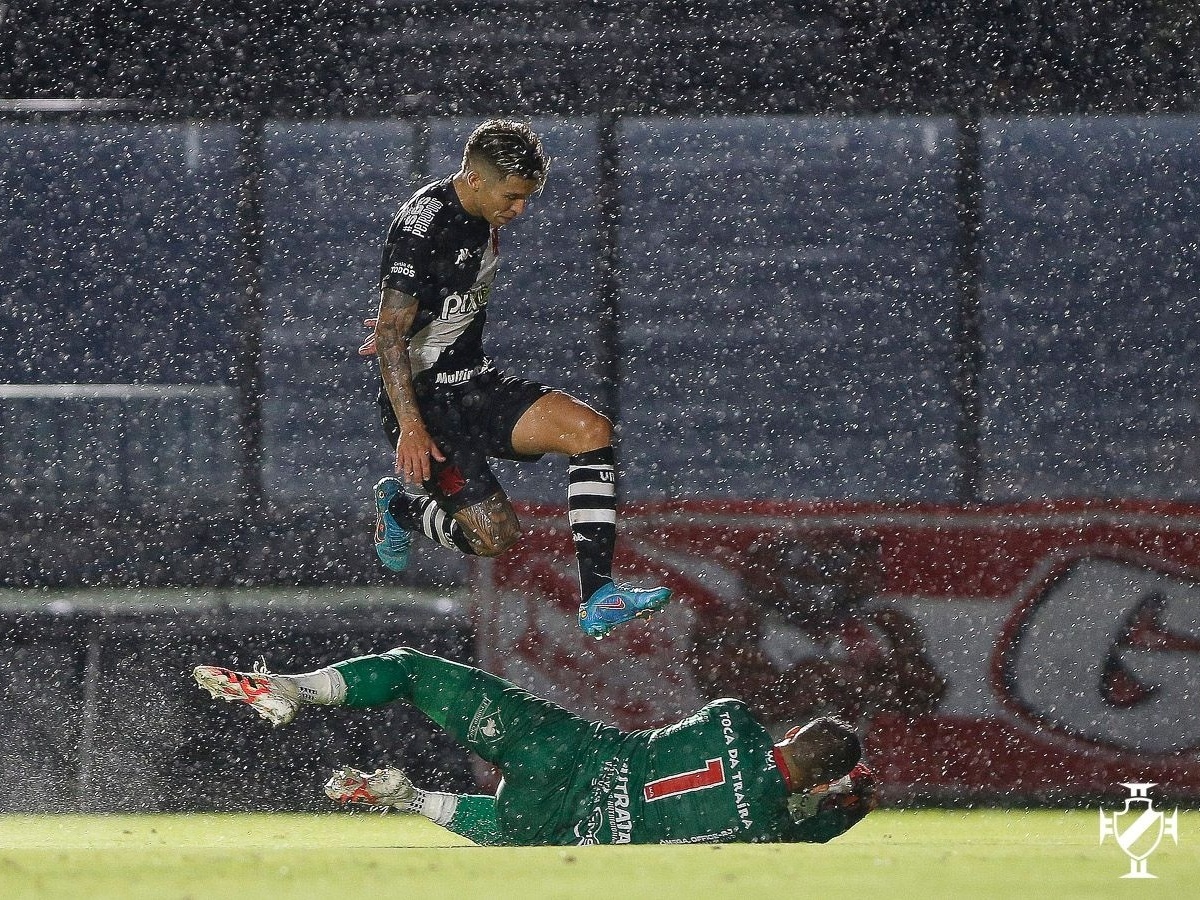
{"x":893,"y":854}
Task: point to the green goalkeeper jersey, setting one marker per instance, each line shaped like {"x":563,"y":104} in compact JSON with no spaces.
{"x":709,"y":778}
{"x":712,"y":777}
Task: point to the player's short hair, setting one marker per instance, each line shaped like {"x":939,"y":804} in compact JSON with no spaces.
{"x":834,"y":747}
{"x":509,"y":147}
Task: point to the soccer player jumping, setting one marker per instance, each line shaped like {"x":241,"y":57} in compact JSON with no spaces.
{"x":447,"y":408}
{"x":715,"y":777}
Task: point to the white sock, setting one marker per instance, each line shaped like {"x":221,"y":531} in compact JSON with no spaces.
{"x":324,"y":686}
{"x":435,"y":806}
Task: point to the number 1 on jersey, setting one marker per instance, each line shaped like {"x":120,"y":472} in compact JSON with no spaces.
{"x":712,"y":775}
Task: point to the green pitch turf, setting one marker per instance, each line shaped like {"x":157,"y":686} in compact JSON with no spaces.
{"x":892,"y":855}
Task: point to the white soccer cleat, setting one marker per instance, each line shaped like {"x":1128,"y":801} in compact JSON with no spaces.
{"x":382,"y":789}
{"x":271,"y":697}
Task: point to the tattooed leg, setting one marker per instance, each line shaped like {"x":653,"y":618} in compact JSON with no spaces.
{"x":490,"y":526}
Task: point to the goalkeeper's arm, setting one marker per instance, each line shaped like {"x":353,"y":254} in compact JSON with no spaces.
{"x":827,"y":811}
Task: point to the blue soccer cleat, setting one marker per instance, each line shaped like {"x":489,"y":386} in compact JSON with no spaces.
{"x":614,"y":605}
{"x":391,"y":541}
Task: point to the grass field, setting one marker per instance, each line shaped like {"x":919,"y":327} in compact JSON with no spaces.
{"x":893,"y":854}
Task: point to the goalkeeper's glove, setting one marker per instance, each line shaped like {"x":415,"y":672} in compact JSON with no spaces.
{"x":830,"y":809}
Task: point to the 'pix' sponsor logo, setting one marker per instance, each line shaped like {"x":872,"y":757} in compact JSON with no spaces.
{"x":1139,"y":828}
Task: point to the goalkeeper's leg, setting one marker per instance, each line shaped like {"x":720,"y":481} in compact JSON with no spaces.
{"x":542,"y":749}
{"x":505,"y":725}
{"x":546,"y":753}
{"x":496,"y":719}
{"x":471,"y":815}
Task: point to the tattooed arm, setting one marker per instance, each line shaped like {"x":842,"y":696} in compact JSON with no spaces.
{"x":397,"y":311}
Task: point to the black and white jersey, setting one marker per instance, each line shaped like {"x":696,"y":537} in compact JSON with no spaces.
{"x":446,"y":258}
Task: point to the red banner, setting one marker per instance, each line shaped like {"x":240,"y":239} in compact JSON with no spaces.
{"x":1040,"y":651}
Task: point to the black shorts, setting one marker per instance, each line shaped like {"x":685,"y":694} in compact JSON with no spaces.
{"x":469,"y":422}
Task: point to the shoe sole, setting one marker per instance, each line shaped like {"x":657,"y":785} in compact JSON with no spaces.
{"x":385,"y":553}
{"x":221,"y":686}
{"x":218,"y":683}
{"x":389,"y":562}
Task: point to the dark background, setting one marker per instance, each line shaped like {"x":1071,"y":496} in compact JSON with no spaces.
{"x":541,"y":56}
{"x":99,"y":710}
{"x":982,"y":302}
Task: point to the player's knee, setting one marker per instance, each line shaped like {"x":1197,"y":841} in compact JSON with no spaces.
{"x":494,"y":542}
{"x":489,"y":548}
{"x":399,"y":653}
{"x":592,"y":432}
{"x":491,"y":527}
{"x":394,"y":664}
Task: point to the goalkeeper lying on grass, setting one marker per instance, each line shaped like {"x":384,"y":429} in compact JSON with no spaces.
{"x":716,"y":776}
